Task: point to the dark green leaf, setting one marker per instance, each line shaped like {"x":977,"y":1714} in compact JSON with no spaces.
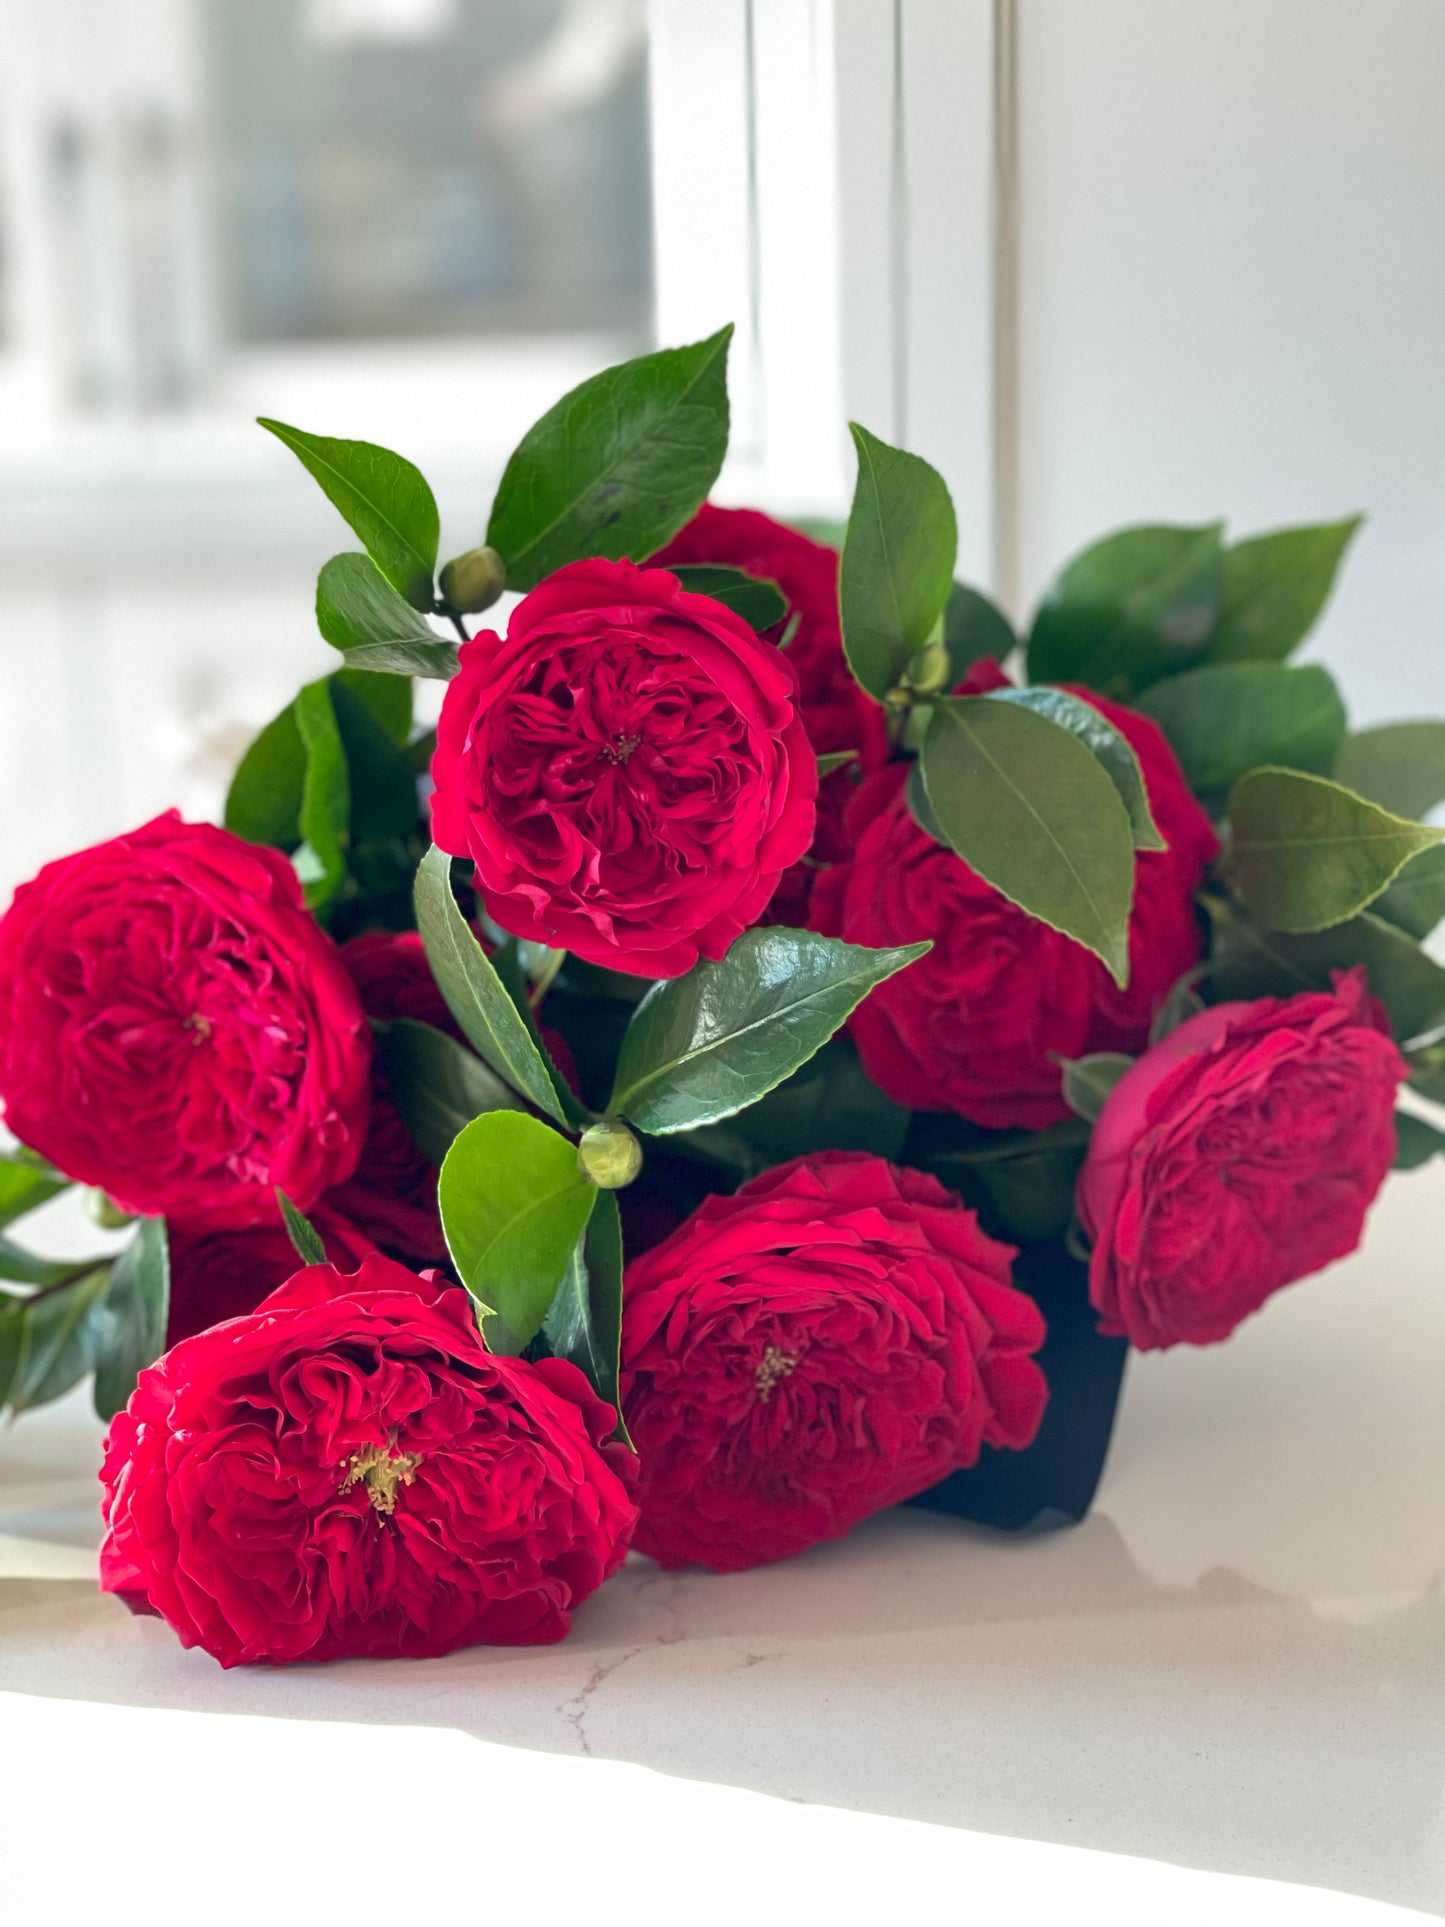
{"x":133,"y":1316}
{"x":618,"y":465}
{"x":827,"y":1105}
{"x":513,"y":1206}
{"x":1274,"y":587}
{"x":507,"y":962}
{"x":1415,"y":901}
{"x":759,"y":603}
{"x":264,"y":802}
{"x":380,"y":782}
{"x":584,"y":1323}
{"x":437,"y":1084}
{"x":58,"y":1339}
{"x":897,"y":568}
{"x":1400,"y":766}
{"x":325,"y":793}
{"x":1137,"y":606}
{"x":474,"y":993}
{"x":25,"y":1185}
{"x":835,"y":759}
{"x":1182,"y":1003}
{"x":1229,"y":718}
{"x":1306,"y":853}
{"x":1021,"y":1181}
{"x":1087,"y":1081}
{"x":1416,"y":1141}
{"x":23,"y":1267}
{"x":1113,"y":750}
{"x":1032,"y":809}
{"x":384,"y":498}
{"x":973,"y":628}
{"x":920,"y":807}
{"x":707,"y":1044}
{"x":305,"y":1238}
{"x":359,"y":612}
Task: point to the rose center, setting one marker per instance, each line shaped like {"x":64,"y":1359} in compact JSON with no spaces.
{"x":619,"y":751}
{"x":772,"y":1366}
{"x":200,"y":1025}
{"x":381,"y":1469}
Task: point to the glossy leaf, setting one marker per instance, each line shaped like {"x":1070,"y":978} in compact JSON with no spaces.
{"x":515,"y":980}
{"x":973,"y":628}
{"x":55,"y":1339}
{"x":1400,"y":766}
{"x":26,"y":1184}
{"x":584,"y":1322}
{"x":325,"y":817}
{"x":1307,"y":853}
{"x":358,"y":612}
{"x":1031,"y":808}
{"x":513,"y":1205}
{"x":617,"y":466}
{"x":1415,"y":901}
{"x":1273,"y":589}
{"x":707,"y":1044}
{"x":1416,"y":1141}
{"x":1088,"y":1081}
{"x":263,"y":804}
{"x":133,"y":1316}
{"x":1231,"y":717}
{"x":305,"y":1238}
{"x":385,"y":499}
{"x":474,"y":993}
{"x":24,"y":1267}
{"x":381,"y":786}
{"x":1139,"y":605}
{"x":1114,"y":751}
{"x":437,"y":1084}
{"x":828,"y":1104}
{"x":760,"y":604}
{"x":897,"y":568}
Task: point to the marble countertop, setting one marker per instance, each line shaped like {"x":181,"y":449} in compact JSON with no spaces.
{"x":1224,"y":1691}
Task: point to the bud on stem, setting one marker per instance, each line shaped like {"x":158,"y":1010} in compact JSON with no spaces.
{"x":609,"y":1154}
{"x":104,"y":1212}
{"x":473,"y":581}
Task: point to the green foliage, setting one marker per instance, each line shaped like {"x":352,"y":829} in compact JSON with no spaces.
{"x":1113,"y":750}
{"x":437,"y":1084}
{"x":1029,"y":806}
{"x":708,"y":1044}
{"x":264,"y":801}
{"x":1400,"y":766}
{"x":1136,"y":606}
{"x":1088,"y":1081}
{"x":896,"y":574}
{"x":973,"y":628}
{"x":1416,"y":1141}
{"x":50,"y":1339}
{"x":359,"y":613}
{"x":1021,"y":1182}
{"x":384,"y":498}
{"x":1231,"y":717}
{"x":26,"y":1182}
{"x":828,"y":1104}
{"x":325,"y":813}
{"x":617,"y":466}
{"x":132,"y":1316}
{"x":305,"y":1238}
{"x":584,"y":1322}
{"x":1274,"y":587}
{"x":1415,"y":901}
{"x":760,"y":604}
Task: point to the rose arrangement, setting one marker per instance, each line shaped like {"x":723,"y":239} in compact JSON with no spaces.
{"x":762,"y":1058}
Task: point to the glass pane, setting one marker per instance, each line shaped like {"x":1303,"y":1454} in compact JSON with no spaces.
{"x":432,"y":167}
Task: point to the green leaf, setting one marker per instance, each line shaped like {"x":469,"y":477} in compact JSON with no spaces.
{"x":973,"y":628}
{"x":1034,"y":812}
{"x":387,"y":698}
{"x":835,"y":759}
{"x":760,"y":604}
{"x":305,"y":1238}
{"x":55,"y":1340}
{"x":1087,"y":1081}
{"x":358,"y":612}
{"x":1182,"y":1003}
{"x":897,"y":568}
{"x":1416,"y":1141}
{"x":618,"y":465}
{"x":1400,"y":766}
{"x":1307,"y":853}
{"x":828,"y":1104}
{"x":326,"y":792}
{"x":1247,"y":961}
{"x":23,"y":1267}
{"x":474,"y":992}
{"x":1139,"y":605}
{"x":437,"y":1084}
{"x":381,"y":785}
{"x":384,"y":498}
{"x":1113,"y":749}
{"x":1273,"y":589}
{"x":584,"y":1323}
{"x":513,"y":1206}
{"x":1415,"y":901}
{"x":707,"y":1044}
{"x":1022,"y":1181}
{"x":133,"y":1316}
{"x":1231,"y":717}
{"x":264,"y":801}
{"x":507,"y":961}
{"x":25,"y":1185}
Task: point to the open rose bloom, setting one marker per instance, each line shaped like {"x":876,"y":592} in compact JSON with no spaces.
{"x":765,"y":1058}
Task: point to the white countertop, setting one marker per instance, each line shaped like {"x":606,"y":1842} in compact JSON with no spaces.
{"x":1223,"y":1693}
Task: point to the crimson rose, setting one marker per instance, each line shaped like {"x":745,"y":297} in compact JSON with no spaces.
{"x":347,"y":1471}
{"x":1239,"y":1154}
{"x":217,"y":1273}
{"x":835,"y":1338}
{"x":978,"y":1025}
{"x":627,"y":770}
{"x":175,"y":1027}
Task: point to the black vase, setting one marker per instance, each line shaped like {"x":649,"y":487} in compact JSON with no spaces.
{"x":1052,"y":1483}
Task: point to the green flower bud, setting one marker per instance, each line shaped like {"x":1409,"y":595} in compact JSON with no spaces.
{"x":105,"y":1212}
{"x":609,"y":1154}
{"x":928,"y":669}
{"x":473,"y":581}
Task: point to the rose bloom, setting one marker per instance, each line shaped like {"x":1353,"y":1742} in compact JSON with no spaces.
{"x":348,"y":1471}
{"x":628,"y":770}
{"x":219,"y":1273}
{"x":837,"y":713}
{"x":977,"y":1026}
{"x":1239,"y":1154}
{"x":176,"y":1028}
{"x":835,"y":1338}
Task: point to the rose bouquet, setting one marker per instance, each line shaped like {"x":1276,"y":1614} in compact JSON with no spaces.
{"x":762,"y":1058}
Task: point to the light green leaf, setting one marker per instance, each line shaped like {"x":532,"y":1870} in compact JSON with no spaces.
{"x":584,"y":1323}
{"x":897,"y":568}
{"x":358,"y":612}
{"x":707,"y":1044}
{"x":325,"y":793}
{"x":1113,"y":750}
{"x":617,"y":466}
{"x":513,"y":1206}
{"x":132,"y":1317}
{"x":26,"y":1184}
{"x":1400,"y":766}
{"x":1231,"y":717}
{"x":1139,"y":605}
{"x":1088,"y":1081}
{"x":437,"y":1084}
{"x":760,"y":604}
{"x":1273,"y":589}
{"x":384,"y":498}
{"x":55,"y":1339}
{"x":1032,"y":810}
{"x":1307,"y":853}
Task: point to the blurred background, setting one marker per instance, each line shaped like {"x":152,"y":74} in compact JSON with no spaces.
{"x":1099,"y":260}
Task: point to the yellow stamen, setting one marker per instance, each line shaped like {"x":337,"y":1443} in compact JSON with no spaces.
{"x":772,"y":1366}
{"x":382,"y":1469}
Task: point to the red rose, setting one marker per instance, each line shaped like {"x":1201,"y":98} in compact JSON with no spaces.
{"x":976,"y":1026}
{"x":218,"y":1273}
{"x":1239,"y":1154}
{"x":627,"y":770}
{"x":349,"y":1472}
{"x":837,"y":713}
{"x":175,"y":1027}
{"x":837,"y":1337}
